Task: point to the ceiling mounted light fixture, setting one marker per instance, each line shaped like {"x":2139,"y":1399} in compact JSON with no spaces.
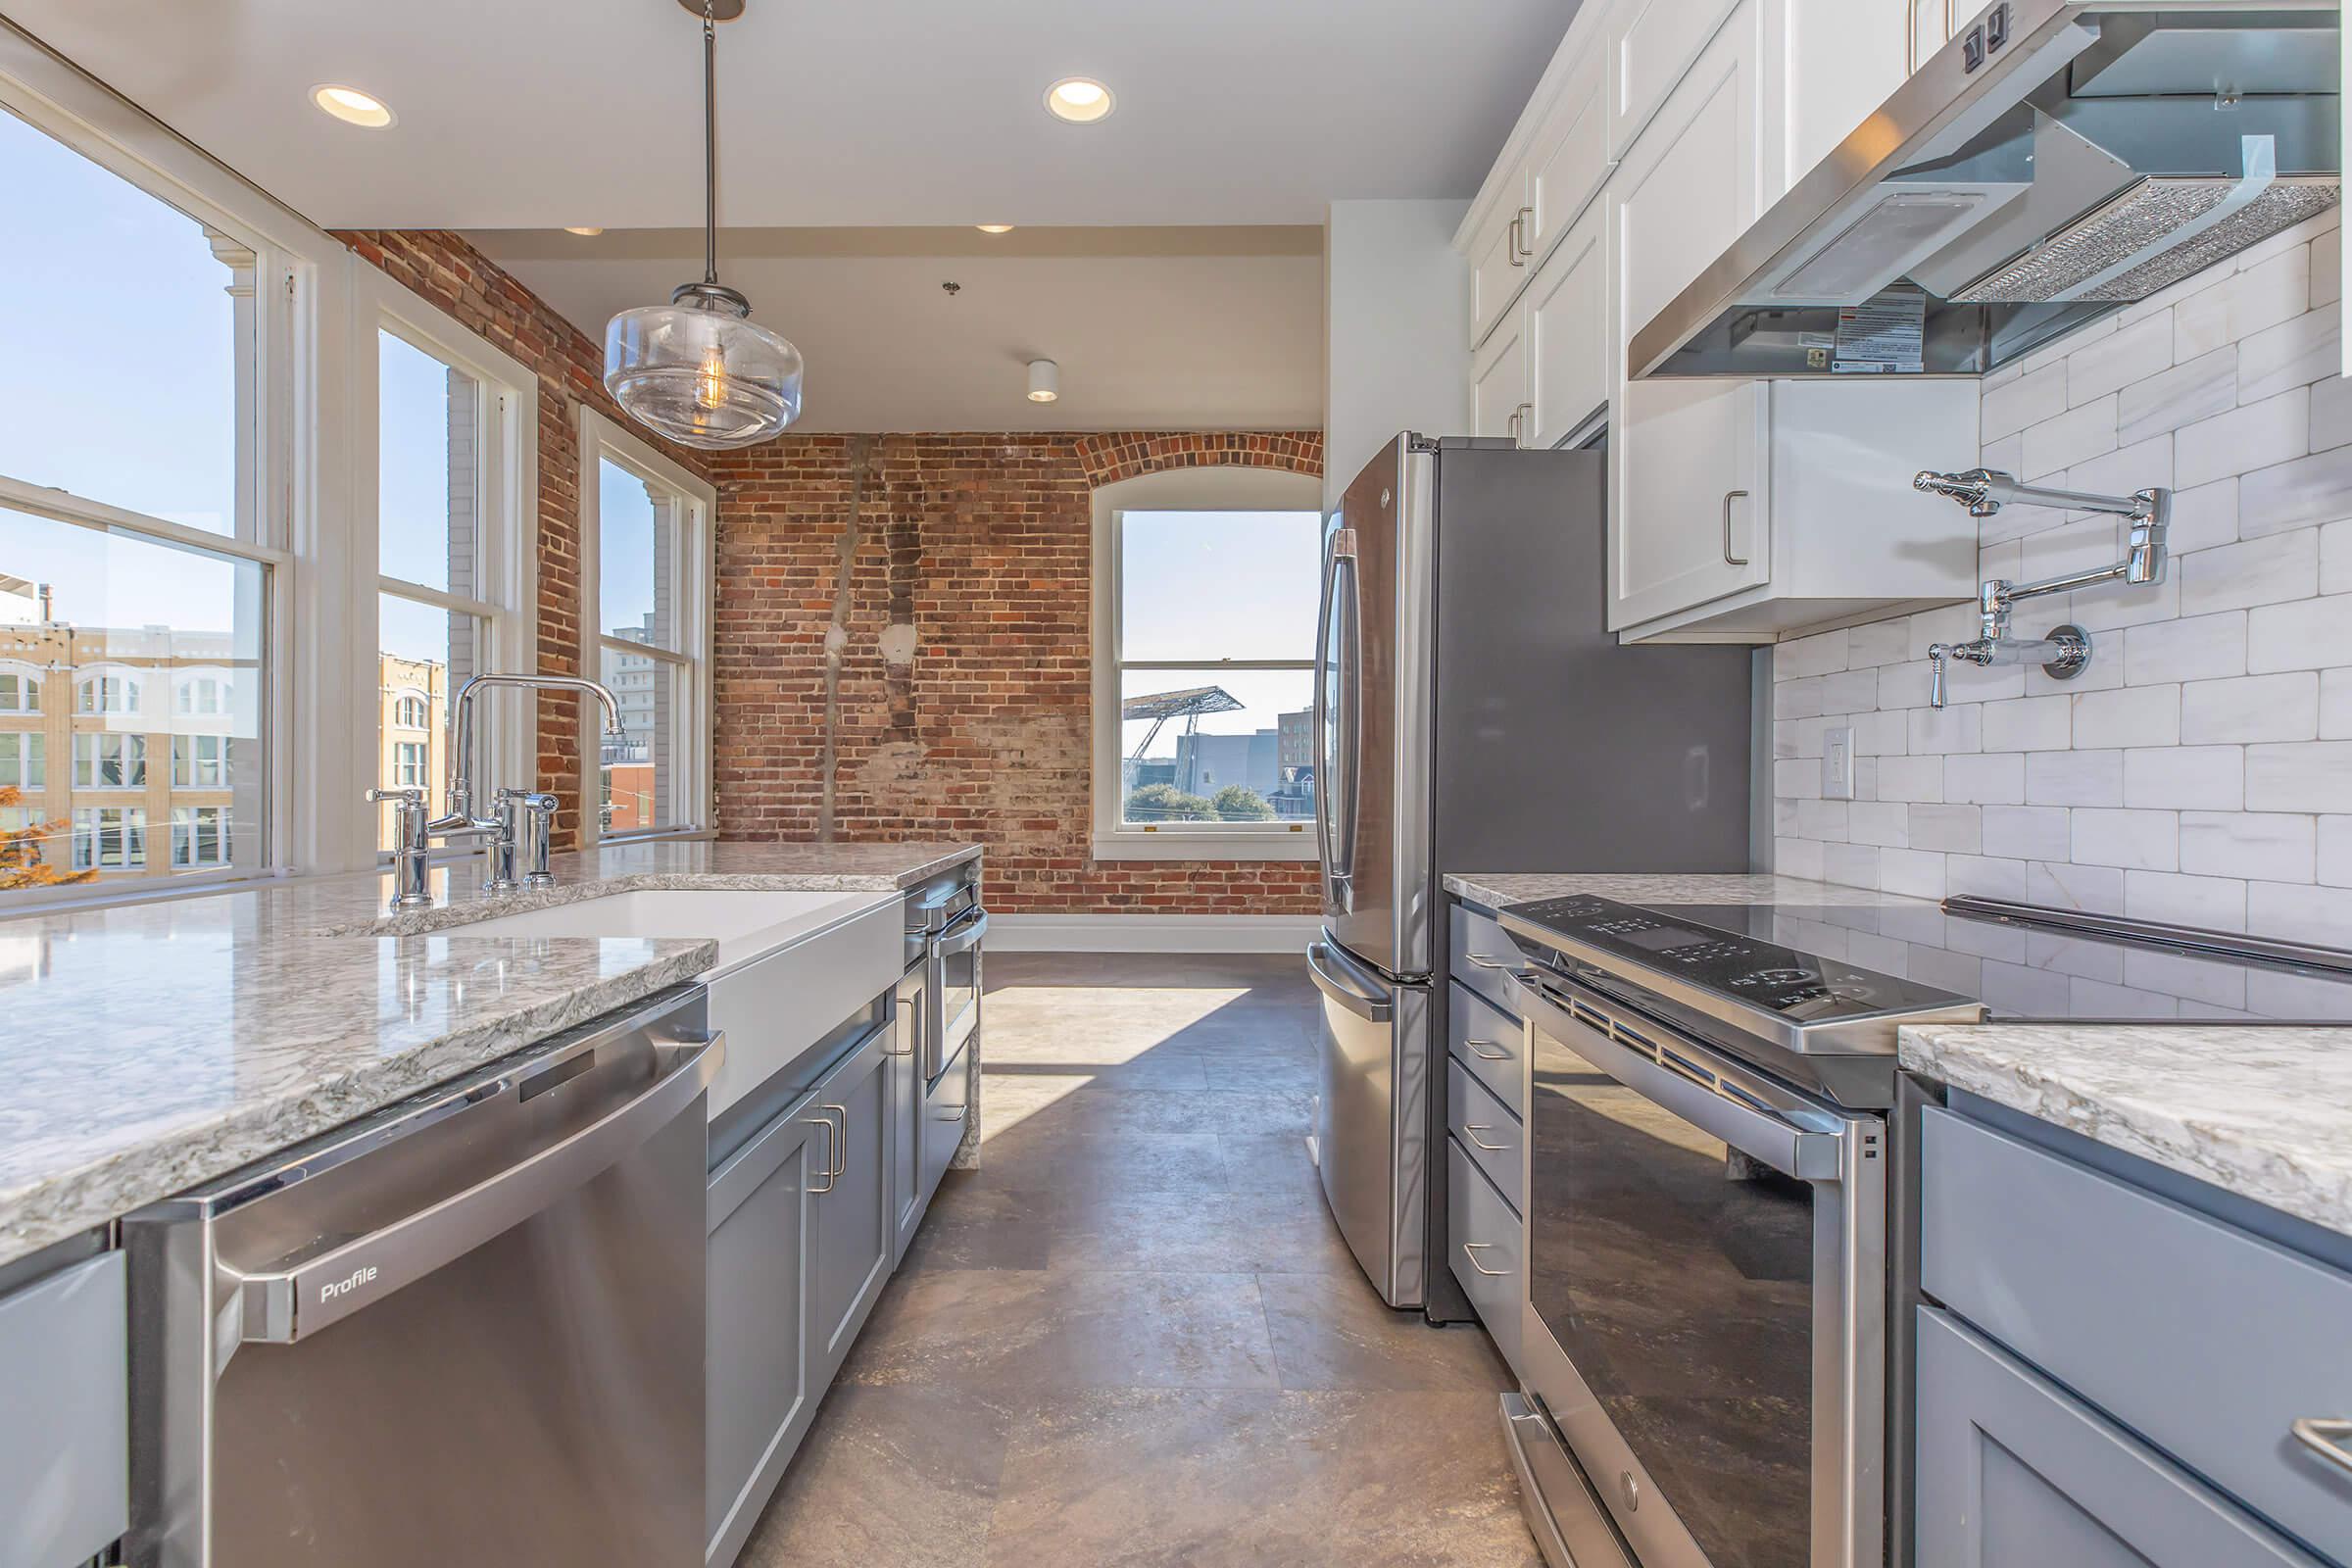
{"x":699,"y":369}
{"x":351,"y":106}
{"x":1080,"y":100}
{"x":994,"y":229}
{"x":584,"y":230}
{"x":1045,"y":381}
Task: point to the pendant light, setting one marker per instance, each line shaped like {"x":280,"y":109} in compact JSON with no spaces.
{"x":699,"y":369}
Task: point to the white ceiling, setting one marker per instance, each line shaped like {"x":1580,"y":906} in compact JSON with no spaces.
{"x":833,"y":112}
{"x":1181,"y":328}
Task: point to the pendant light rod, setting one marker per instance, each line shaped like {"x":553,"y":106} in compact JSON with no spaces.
{"x":710,"y":145}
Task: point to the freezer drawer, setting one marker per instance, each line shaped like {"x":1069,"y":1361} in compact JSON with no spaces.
{"x":1372,"y":1095}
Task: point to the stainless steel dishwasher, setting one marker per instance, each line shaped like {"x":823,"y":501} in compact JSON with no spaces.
{"x":464,"y":1329}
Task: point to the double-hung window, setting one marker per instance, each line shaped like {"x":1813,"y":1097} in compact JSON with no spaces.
{"x":1207,"y":590}
{"x":646,"y":601}
{"x":134,"y":539}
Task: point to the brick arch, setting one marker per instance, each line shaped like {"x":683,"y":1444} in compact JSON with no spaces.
{"x":1119,"y":455}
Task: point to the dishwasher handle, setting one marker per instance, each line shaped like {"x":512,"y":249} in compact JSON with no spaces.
{"x":282,"y":1307}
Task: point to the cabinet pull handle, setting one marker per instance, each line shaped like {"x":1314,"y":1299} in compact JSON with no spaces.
{"x":841,"y":1149}
{"x":1510,"y":427}
{"x":1471,"y":1250}
{"x":1729,"y":558}
{"x":1480,"y":1049}
{"x":1515,"y":970}
{"x":1515,"y":256}
{"x":1471,"y":1130}
{"x":1911,"y":37}
{"x":2322,"y":1436}
{"x":1527,"y":216}
{"x":1519,"y":419}
{"x":826,"y":1122}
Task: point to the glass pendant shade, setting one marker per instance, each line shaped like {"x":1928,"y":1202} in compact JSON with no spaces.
{"x":699,"y":371}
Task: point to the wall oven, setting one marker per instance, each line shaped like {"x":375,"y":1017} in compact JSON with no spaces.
{"x":1706,"y":1281}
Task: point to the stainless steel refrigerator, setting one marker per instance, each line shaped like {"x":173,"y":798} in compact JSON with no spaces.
{"x":1473,"y":713}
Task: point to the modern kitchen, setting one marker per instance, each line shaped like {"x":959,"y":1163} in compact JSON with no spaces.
{"x":1564,"y":785}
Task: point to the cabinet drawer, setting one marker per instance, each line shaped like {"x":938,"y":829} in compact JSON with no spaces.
{"x":1487,"y":1130}
{"x":1487,"y":1041}
{"x":2013,"y":1471}
{"x":1487,"y":1248}
{"x":2206,"y":1341}
{"x":1482,"y":954}
{"x":63,"y":1416}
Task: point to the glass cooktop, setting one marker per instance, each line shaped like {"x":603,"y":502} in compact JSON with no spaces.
{"x":1822,"y":963}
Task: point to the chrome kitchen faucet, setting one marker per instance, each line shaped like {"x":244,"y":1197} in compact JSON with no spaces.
{"x":518,"y":832}
{"x":2066,"y":651}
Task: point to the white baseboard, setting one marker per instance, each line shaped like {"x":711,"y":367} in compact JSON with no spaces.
{"x":1152,"y":933}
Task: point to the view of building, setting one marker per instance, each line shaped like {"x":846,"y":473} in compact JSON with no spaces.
{"x":633,"y":765}
{"x":411,"y":733}
{"x":1276,"y":765}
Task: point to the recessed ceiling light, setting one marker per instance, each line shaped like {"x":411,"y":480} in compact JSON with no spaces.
{"x":994,"y":229}
{"x":1044,"y":380}
{"x":351,"y":106}
{"x":1081,"y":100}
{"x":589,"y":231}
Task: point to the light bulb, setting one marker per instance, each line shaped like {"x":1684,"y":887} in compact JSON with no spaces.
{"x":710,"y":381}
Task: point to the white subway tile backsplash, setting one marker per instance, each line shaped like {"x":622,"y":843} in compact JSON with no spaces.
{"x":2133,"y":716}
{"x":2271,"y":846}
{"x":2256,"y":436}
{"x":2074,"y":778}
{"x":2147,"y":841}
{"x":2027,"y":832}
{"x":1999,"y":779}
{"x":2185,"y":779}
{"x":2253,"y":708}
{"x":2200,"y":768}
{"x":2194,"y":648}
{"x":2028,"y":725}
{"x":2299,"y":777}
{"x":2308,"y":634}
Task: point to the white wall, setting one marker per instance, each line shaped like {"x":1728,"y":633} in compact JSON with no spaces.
{"x":1396,"y":329}
{"x":2200,"y":770}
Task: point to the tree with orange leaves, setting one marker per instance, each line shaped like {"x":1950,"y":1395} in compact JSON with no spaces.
{"x":20,"y":862}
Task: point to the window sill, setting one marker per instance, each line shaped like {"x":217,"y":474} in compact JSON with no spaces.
{"x":1204,"y":845}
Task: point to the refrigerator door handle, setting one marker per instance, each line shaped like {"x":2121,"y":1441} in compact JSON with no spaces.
{"x":1336,"y":734}
{"x":1330,"y":977}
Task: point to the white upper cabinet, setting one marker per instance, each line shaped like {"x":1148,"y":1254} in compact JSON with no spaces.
{"x":1499,"y":262}
{"x":1569,"y":157}
{"x":1650,"y":45}
{"x":1838,"y":61}
{"x":1499,"y":382}
{"x":1685,"y":457}
{"x":1567,"y":328}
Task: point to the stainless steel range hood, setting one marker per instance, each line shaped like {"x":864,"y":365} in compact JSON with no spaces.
{"x":2053,"y":163}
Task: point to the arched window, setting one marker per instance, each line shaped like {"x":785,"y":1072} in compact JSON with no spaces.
{"x":204,"y":695}
{"x":20,"y":689}
{"x":106,"y":694}
{"x":412,"y":711}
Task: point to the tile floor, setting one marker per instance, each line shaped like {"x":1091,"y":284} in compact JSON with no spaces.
{"x":1134,"y":1336}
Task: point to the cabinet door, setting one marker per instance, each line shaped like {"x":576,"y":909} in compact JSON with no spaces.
{"x":2012,"y":1470}
{"x":1838,"y":60}
{"x":856,"y":1237}
{"x":1569,"y":158}
{"x":1499,"y":261}
{"x":1651,"y":43}
{"x":1689,"y":520}
{"x":1567,"y":351}
{"x":1499,"y":381}
{"x":760,"y":1377}
{"x":1933,"y":23}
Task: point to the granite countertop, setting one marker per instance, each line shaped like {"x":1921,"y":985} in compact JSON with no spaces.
{"x":2265,"y":1112}
{"x":154,"y":1046}
{"x":1498,"y":889}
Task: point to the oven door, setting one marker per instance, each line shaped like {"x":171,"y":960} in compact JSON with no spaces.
{"x":1706,"y":1278}
{"x":951,"y":992}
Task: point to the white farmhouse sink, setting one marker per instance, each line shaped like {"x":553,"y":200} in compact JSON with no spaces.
{"x":790,"y":967}
{"x":745,"y":924}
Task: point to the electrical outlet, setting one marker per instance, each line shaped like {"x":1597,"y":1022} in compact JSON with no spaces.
{"x":1838,"y":764}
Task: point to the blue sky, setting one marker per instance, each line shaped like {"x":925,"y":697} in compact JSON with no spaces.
{"x":1185,"y":595}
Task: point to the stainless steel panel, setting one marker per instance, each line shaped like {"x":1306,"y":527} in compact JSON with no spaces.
{"x":1486,"y":1041}
{"x":451,"y":1414}
{"x":1562,"y":1511}
{"x":63,"y":1416}
{"x":1484,"y":955}
{"x":1488,"y":1132}
{"x":1371,"y":1108}
{"x":1488,"y":1253}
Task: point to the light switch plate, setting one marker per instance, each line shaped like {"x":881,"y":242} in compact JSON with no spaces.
{"x":1837,"y":764}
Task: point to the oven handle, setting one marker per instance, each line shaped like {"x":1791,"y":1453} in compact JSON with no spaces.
{"x":1807,"y":1153}
{"x":961,"y":937}
{"x":282,"y":1306}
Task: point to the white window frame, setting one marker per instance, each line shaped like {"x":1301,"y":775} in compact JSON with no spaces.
{"x":131,"y":751}
{"x":184,"y":836}
{"x":32,"y":680}
{"x":506,"y":537}
{"x":693,"y":573}
{"x":89,"y":833}
{"x":1226,"y":488}
{"x":29,"y":751}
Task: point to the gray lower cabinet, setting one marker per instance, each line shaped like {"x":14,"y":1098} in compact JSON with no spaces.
{"x":2013,"y":1471}
{"x":906,"y":1073}
{"x":802,"y":1240}
{"x":1489,"y":1244}
{"x":65,"y":1439}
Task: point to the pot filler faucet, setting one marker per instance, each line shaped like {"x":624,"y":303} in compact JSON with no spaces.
{"x":2066,"y":651}
{"x":521,"y":825}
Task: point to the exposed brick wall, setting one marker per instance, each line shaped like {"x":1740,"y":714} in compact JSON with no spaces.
{"x":982,"y":544}
{"x":450,"y":273}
